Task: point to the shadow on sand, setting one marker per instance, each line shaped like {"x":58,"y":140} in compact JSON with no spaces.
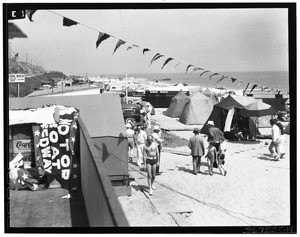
{"x":140,"y":187}
{"x":266,"y":156}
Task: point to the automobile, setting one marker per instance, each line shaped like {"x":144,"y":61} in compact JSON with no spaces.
{"x":131,"y":113}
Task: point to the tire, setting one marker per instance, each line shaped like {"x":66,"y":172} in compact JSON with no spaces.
{"x":130,"y":120}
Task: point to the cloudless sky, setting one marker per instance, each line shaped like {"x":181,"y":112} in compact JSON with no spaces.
{"x":220,"y":40}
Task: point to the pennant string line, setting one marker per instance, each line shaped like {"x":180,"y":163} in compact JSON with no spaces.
{"x":179,"y":61}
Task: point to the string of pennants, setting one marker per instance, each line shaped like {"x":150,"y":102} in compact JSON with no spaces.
{"x":102,"y":36}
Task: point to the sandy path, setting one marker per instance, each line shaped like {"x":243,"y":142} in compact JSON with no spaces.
{"x":255,"y":191}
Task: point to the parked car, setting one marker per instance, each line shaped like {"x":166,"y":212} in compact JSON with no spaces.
{"x":131,"y":113}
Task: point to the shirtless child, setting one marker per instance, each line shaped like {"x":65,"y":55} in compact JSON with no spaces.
{"x":151,"y":157}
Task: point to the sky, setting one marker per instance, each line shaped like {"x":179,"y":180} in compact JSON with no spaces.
{"x":219,"y":40}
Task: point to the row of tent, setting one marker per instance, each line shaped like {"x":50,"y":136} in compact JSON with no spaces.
{"x":190,"y":110}
{"x":199,"y":108}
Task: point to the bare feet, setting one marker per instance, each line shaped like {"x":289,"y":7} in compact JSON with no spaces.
{"x":153,"y":187}
{"x":151,"y":192}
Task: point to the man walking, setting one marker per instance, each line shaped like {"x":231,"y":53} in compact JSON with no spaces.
{"x":157,"y":137}
{"x":140,"y":139}
{"x":215,"y":135}
{"x":196,"y":144}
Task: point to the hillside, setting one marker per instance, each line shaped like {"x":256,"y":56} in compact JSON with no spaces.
{"x":33,"y":83}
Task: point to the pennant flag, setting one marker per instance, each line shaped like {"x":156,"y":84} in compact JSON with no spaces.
{"x":14,"y":59}
{"x":131,"y":46}
{"x":262,"y":88}
{"x":101,"y":37}
{"x":68,"y":22}
{"x":233,"y":80}
{"x":176,"y":65}
{"x":165,"y":63}
{"x":29,"y":14}
{"x":253,"y":88}
{"x":213,"y":75}
{"x":188,"y":67}
{"x":197,"y":68}
{"x":120,"y":42}
{"x":204,"y":72}
{"x":270,"y":90}
{"x":157,"y":56}
{"x":145,"y":50}
{"x":247,"y":86}
{"x":222,"y":78}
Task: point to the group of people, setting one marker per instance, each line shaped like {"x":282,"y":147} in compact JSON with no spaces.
{"x":148,"y":149}
{"x":276,"y":146}
{"x":215,"y":152}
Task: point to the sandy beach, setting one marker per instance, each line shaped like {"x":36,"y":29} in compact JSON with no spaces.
{"x":255,"y":191}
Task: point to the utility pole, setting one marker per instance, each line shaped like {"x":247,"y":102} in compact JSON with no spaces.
{"x":26,"y":59}
{"x":126,"y":91}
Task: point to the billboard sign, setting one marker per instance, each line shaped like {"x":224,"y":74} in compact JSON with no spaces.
{"x":16,"y":78}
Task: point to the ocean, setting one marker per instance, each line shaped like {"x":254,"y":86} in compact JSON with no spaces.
{"x":272,"y":79}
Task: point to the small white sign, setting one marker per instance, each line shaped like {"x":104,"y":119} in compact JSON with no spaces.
{"x":16,"y":78}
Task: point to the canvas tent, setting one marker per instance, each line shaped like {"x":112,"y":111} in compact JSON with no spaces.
{"x":277,"y":103}
{"x":225,"y":116}
{"x":177,"y":105}
{"x":211,"y":95}
{"x":102,"y":116}
{"x":197,"y":109}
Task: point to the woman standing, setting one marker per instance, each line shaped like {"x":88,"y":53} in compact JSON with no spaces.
{"x":157,"y":137}
{"x":276,"y":140}
{"x":151,"y":155}
{"x":280,"y":145}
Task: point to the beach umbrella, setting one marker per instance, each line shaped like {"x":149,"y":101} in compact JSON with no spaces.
{"x":257,"y":109}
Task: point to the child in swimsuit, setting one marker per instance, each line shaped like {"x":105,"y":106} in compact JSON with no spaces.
{"x":211,"y":157}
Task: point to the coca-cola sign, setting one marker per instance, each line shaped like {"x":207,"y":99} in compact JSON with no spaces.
{"x":23,"y":145}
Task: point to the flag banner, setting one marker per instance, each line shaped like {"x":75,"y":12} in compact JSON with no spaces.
{"x":101,"y":37}
{"x":145,"y":50}
{"x":197,"y":69}
{"x":157,"y":56}
{"x":15,"y":58}
{"x":215,"y":74}
{"x":68,"y":22}
{"x":176,"y":65}
{"x":165,"y":63}
{"x":254,"y":86}
{"x":203,"y":73}
{"x":29,"y":14}
{"x":120,"y":42}
{"x":187,"y":68}
{"x":131,"y":46}
{"x":56,"y":150}
{"x":222,"y":78}
{"x":247,"y":86}
{"x":270,"y":90}
{"x":233,"y":80}
{"x":30,"y":178}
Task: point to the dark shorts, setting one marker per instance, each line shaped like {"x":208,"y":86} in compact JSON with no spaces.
{"x":216,"y":145}
{"x":151,"y":161}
